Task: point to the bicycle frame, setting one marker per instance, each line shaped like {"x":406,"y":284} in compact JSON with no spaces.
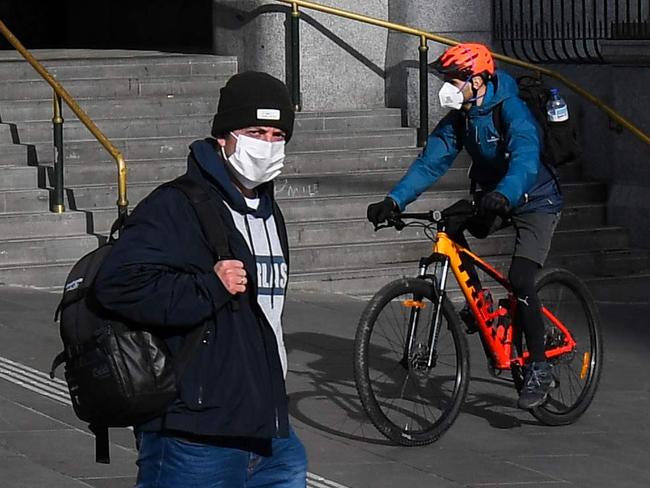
{"x":497,"y":335}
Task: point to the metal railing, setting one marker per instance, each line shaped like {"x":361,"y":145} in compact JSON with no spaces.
{"x":424,"y":36}
{"x":567,"y":31}
{"x":57,"y":201}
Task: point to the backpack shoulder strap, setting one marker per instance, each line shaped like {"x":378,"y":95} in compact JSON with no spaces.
{"x":458,"y":122}
{"x":211,"y":224}
{"x":497,"y":118}
{"x":207,"y":213}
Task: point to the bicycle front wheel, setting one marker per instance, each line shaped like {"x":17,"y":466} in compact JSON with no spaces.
{"x":409,"y":401}
{"x":577,"y":372}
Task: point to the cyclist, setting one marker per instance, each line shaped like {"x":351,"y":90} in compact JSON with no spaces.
{"x":510,"y":178}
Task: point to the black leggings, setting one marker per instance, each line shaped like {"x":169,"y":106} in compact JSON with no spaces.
{"x":528,"y":314}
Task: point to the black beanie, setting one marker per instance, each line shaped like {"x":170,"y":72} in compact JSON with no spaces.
{"x":253,"y":99}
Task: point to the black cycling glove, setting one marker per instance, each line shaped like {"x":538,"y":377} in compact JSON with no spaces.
{"x":495,"y":203}
{"x":380,"y":211}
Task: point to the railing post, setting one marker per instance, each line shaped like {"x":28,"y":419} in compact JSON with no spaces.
{"x":423,"y":131}
{"x":57,"y":202}
{"x":295,"y":56}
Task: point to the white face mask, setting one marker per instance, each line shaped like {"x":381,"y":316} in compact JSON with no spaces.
{"x":255,"y":161}
{"x":450,"y":96}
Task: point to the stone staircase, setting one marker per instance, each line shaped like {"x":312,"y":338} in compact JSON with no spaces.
{"x":153,"y":105}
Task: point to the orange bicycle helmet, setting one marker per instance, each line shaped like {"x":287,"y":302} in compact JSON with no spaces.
{"x":463,"y":61}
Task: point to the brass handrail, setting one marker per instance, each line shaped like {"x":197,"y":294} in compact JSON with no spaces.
{"x":451,"y":42}
{"x":122,"y":202}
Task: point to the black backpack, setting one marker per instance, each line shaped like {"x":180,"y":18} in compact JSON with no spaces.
{"x":559,"y":139}
{"x":121,"y":374}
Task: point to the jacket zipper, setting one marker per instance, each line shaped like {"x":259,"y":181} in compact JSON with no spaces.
{"x":205,"y":341}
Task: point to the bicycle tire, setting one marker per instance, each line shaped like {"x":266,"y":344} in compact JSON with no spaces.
{"x":577,"y":373}
{"x":379,"y":366}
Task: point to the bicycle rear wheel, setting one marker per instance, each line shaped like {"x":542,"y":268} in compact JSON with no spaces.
{"x":407,"y":401}
{"x":577,"y":373}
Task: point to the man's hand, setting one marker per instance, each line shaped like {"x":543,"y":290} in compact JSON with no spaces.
{"x":380,"y":211}
{"x":232,"y":274}
{"x":494,"y":203}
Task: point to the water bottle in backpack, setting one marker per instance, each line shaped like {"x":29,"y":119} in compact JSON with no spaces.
{"x":556,"y":107}
{"x":559,"y":133}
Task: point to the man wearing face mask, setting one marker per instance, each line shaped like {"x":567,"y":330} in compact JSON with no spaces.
{"x":229,"y":425}
{"x":510,"y":178}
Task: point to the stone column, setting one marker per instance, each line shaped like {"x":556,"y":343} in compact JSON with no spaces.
{"x":342,"y":61}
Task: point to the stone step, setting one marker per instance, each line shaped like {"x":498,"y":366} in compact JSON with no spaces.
{"x":22,"y":111}
{"x":350,"y":206}
{"x":314,"y":209}
{"x":37,"y":275}
{"x":286,"y":187}
{"x":327,"y":202}
{"x":20,"y":177}
{"x":89,"y":150}
{"x":189,"y":127}
{"x":360,"y":230}
{"x":99,"y":57}
{"x":144,"y":67}
{"x":115,"y":87}
{"x":45,"y":250}
{"x":21,"y":154}
{"x":342,"y":173}
{"x":364,"y":282}
{"x":22,"y":225}
{"x":367,"y":254}
{"x":623,"y":290}
{"x":305,"y":164}
{"x":32,"y":200}
{"x":162,"y":124}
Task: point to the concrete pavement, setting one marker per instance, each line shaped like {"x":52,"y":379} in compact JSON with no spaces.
{"x":492,"y":444}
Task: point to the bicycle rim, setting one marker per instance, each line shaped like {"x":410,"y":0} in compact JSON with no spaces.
{"x":407,"y":401}
{"x":577,"y":373}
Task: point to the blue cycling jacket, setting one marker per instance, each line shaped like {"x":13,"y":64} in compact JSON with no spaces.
{"x":508,"y":163}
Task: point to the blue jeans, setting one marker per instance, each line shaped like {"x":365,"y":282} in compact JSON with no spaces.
{"x":165,"y":461}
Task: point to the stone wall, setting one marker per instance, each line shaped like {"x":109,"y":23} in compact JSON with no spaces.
{"x":347,"y":64}
{"x":341,"y":61}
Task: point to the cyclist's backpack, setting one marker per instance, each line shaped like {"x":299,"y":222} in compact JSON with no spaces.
{"x":121,"y":374}
{"x":559,"y":139}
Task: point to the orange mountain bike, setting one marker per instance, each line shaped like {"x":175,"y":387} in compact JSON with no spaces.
{"x":411,"y":355}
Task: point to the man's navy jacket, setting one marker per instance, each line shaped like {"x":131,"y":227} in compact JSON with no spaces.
{"x":160,"y":274}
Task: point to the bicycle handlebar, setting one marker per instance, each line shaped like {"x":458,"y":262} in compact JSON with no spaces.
{"x":433,"y":216}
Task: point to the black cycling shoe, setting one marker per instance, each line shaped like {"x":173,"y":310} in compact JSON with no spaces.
{"x":538,"y":382}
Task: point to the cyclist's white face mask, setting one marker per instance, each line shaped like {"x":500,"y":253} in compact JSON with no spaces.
{"x":255,"y":161}
{"x":450,"y":96}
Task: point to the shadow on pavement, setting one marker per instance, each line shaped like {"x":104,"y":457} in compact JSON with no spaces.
{"x":326,"y":399}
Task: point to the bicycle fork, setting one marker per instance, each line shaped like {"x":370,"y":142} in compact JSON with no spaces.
{"x":434,"y":330}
